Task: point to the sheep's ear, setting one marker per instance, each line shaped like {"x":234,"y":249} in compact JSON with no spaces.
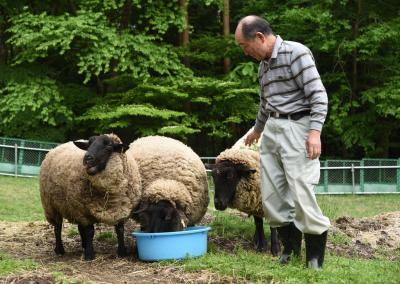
{"x":244,"y":170}
{"x":142,"y":208}
{"x":120,"y":148}
{"x":209,"y":166}
{"x":82,"y":144}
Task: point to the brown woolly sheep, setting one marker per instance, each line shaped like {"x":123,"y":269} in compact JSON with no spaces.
{"x":97,"y":186}
{"x":237,"y":181}
{"x":174,"y":179}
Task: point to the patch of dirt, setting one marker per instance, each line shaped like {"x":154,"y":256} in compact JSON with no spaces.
{"x":35,"y":240}
{"x":369,"y":236}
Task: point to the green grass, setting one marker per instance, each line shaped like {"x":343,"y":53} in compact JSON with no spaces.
{"x":335,"y":206}
{"x":9,"y":264}
{"x":20,"y":199}
{"x":263,"y":268}
{"x":108,"y":236}
{"x":59,"y":277}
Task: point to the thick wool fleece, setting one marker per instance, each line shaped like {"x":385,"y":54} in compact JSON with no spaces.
{"x":67,"y":191}
{"x":247,"y":198}
{"x":240,"y":143}
{"x":171,"y":171}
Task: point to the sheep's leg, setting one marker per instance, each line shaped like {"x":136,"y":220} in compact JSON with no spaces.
{"x":259,"y":236}
{"x":88,"y":232}
{"x":82,"y":234}
{"x":119,"y":230}
{"x":275,"y":246}
{"x":59,"y":249}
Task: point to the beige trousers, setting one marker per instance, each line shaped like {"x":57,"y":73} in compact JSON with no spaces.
{"x":288,"y":177}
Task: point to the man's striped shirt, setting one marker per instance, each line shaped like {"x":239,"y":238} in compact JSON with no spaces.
{"x":289,"y":83}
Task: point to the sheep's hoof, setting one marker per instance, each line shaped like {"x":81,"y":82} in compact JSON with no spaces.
{"x":275,"y":250}
{"x":262,"y":248}
{"x":123,"y":252}
{"x":89,"y":256}
{"x":59,"y":250}
{"x":284,"y":259}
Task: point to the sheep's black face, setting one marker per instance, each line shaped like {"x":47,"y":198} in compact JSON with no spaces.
{"x":158,"y":217}
{"x":98,"y":152}
{"x":226,"y":176}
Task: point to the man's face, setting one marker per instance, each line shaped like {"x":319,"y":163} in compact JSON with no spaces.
{"x":253,"y":47}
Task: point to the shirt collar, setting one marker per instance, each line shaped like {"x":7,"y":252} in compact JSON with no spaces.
{"x":277,"y":46}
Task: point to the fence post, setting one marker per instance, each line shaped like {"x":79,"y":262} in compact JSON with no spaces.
{"x":352,"y":177}
{"x":362,"y":176}
{"x":398,"y":175}
{"x":15,"y":160}
{"x":326,"y":176}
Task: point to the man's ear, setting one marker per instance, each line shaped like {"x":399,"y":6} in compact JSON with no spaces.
{"x":260,"y":36}
{"x":120,"y":148}
{"x":244,"y":170}
{"x":82,"y":144}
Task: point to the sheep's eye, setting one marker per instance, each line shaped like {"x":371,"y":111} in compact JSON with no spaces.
{"x":229,"y":175}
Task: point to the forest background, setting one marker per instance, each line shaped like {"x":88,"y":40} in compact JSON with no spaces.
{"x":72,"y":68}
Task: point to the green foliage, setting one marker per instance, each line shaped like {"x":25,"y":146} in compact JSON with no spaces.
{"x":177,"y":107}
{"x":245,"y":73}
{"x":122,"y":56}
{"x":30,"y":102}
{"x":88,"y":40}
{"x":385,"y":100}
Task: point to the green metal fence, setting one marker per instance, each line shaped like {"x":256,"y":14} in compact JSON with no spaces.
{"x":360,"y":176}
{"x":366,"y":176}
{"x":23,"y":158}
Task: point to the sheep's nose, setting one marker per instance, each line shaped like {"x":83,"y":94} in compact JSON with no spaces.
{"x":217,"y":203}
{"x":87,"y":159}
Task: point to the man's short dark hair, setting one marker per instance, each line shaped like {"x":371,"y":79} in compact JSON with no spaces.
{"x":253,"y":25}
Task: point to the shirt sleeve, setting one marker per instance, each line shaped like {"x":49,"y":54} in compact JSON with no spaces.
{"x":262,"y":114}
{"x":262,"y":117}
{"x":308,"y":79}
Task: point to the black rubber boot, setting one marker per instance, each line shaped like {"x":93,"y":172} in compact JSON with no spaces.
{"x":290,"y":237}
{"x":315,"y":249}
{"x":296,"y":237}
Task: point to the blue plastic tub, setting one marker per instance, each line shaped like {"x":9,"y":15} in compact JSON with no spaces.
{"x":191,"y":242}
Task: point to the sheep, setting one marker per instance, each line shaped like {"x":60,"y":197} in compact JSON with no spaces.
{"x":99,"y":186}
{"x":174,"y":180}
{"x":237,"y":182}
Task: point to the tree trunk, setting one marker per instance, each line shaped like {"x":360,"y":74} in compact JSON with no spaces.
{"x":356,"y":27}
{"x":227,"y":61}
{"x":72,"y":7}
{"x":184,"y":35}
{"x":3,"y":38}
{"x":126,"y":14}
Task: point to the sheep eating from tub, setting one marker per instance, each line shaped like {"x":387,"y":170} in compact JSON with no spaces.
{"x":174,"y":179}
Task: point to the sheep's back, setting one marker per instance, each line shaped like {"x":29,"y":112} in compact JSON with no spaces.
{"x":169,"y":159}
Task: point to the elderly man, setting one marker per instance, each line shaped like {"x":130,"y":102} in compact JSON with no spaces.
{"x":293,"y":107}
